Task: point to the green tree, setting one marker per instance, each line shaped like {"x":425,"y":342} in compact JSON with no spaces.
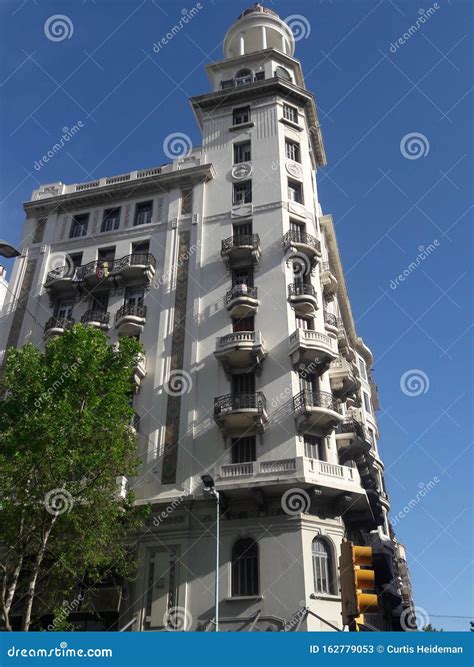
{"x":430,"y":628}
{"x":65,"y":438}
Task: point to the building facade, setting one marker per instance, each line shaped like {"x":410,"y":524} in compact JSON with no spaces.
{"x":225,"y":266}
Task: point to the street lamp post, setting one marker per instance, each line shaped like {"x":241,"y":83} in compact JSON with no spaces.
{"x":8,"y":250}
{"x":210,"y":487}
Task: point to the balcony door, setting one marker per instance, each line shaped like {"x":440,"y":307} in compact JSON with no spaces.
{"x":243,"y":384}
{"x":134,"y":296}
{"x":63,"y":310}
{"x":243,"y":277}
{"x":243,"y":229}
{"x":297,"y":229}
{"x":305,"y":323}
{"x":100,"y":302}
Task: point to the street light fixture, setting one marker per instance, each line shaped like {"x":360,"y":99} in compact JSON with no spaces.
{"x":8,"y":250}
{"x":210,"y":487}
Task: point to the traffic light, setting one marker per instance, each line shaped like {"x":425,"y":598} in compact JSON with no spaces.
{"x":357,"y":584}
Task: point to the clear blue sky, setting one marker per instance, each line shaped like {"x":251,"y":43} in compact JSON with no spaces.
{"x":385,"y":206}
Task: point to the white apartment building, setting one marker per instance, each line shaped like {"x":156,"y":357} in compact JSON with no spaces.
{"x":225,"y":266}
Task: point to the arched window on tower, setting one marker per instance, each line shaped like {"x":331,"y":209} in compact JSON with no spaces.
{"x":323,"y":567}
{"x":243,"y":77}
{"x":282,"y":73}
{"x":245,"y":579}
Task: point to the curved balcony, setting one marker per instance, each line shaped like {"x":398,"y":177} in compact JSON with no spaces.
{"x":130,"y":319}
{"x":328,"y":281}
{"x":134,"y":268}
{"x":95,"y":273}
{"x":237,"y":413}
{"x":56,"y":326}
{"x":312,"y":349}
{"x":242,"y":301}
{"x":303,"y":242}
{"x":241,"y":351}
{"x":344,"y":378}
{"x":316,"y":410}
{"x":62,"y":281}
{"x":241,"y":249}
{"x":96,"y":318}
{"x":303,"y":298}
{"x":352,"y":441}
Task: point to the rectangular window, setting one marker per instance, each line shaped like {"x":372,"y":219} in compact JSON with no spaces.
{"x":134,"y":296}
{"x":314,"y":447}
{"x":292,"y":150}
{"x":295,"y":191}
{"x":241,"y":115}
{"x":76,"y":259}
{"x":79,"y":226}
{"x":242,"y":193}
{"x":186,"y":201}
{"x":242,"y":152}
{"x":363,"y":368}
{"x":243,"y":276}
{"x":367,"y":404}
{"x":100,"y":302}
{"x":305,"y":323}
{"x":141,"y":247}
{"x":244,"y":324}
{"x":290,"y":113}
{"x":111,"y":219}
{"x":38,"y":233}
{"x":297,"y":230}
{"x":143,"y":213}
{"x":243,"y":383}
{"x":106,"y":254}
{"x":243,"y":450}
{"x":259,"y":76}
{"x":63,"y":309}
{"x":242,"y":229}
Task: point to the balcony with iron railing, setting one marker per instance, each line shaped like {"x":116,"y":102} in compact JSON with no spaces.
{"x":303,"y":298}
{"x":328,"y":280}
{"x":316,"y":410}
{"x":303,"y":242}
{"x":57,"y":325}
{"x":352,"y":440}
{"x":131,"y":268}
{"x":241,"y":249}
{"x":236,"y":413}
{"x":313,"y":349}
{"x":96,"y":318}
{"x":242,"y":300}
{"x":130,"y":319}
{"x":240,"y":351}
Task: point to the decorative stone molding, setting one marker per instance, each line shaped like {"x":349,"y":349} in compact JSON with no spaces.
{"x":294,"y":169}
{"x":241,"y":171}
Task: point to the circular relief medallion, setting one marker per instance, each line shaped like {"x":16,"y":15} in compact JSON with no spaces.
{"x":241,"y":171}
{"x":294,"y":169}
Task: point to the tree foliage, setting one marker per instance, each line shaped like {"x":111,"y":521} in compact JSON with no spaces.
{"x":65,"y":438}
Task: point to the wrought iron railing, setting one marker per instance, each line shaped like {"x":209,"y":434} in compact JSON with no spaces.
{"x":239,"y":241}
{"x":295,"y":236}
{"x":135,"y":259}
{"x":93,"y":315}
{"x":58,"y":323}
{"x":113,"y":266}
{"x":133,"y":309}
{"x":241,"y":291}
{"x":318,"y":399}
{"x":301,"y":289}
{"x":236,"y":402}
{"x":351,"y":426}
{"x":61,"y":272}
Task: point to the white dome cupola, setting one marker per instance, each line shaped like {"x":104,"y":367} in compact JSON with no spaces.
{"x":257,"y":29}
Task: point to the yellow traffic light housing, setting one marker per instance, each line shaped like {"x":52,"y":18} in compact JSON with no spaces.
{"x":357,"y":583}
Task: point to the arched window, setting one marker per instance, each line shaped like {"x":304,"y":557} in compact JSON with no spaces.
{"x":245,"y":568}
{"x":282,"y":73}
{"x":323,"y":567}
{"x":243,"y":77}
